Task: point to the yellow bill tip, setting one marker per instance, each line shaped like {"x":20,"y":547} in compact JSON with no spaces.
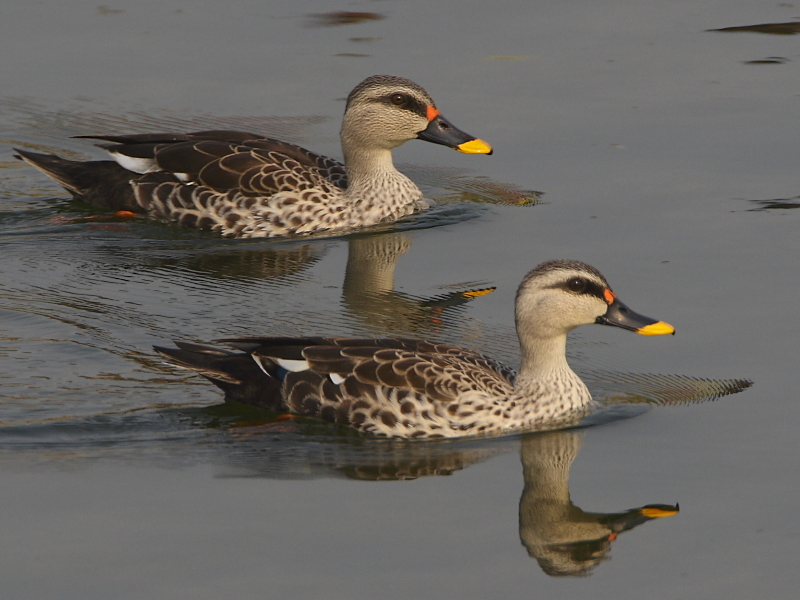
{"x":477,"y":293}
{"x":652,"y":512}
{"x":475,"y":146}
{"x":660,"y":328}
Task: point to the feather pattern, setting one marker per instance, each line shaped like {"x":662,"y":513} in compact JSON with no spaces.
{"x":245,"y":185}
{"x":417,"y":389}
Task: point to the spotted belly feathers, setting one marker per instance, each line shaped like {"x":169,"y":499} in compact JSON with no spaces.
{"x":404,"y":388}
{"x":244,"y":185}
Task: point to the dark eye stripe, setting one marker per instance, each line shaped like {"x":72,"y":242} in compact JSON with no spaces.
{"x":592,"y":288}
{"x":411,"y":104}
{"x":595,"y":290}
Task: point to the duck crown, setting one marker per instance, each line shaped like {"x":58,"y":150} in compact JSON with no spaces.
{"x":384,"y":87}
{"x":559,"y":295}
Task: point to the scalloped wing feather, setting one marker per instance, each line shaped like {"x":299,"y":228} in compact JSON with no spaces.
{"x":254,"y":212}
{"x":387,"y":387}
{"x":399,"y":391}
{"x":234,"y":183}
{"x":190,"y":153}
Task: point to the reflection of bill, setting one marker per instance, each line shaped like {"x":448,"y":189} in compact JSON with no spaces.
{"x":368,"y":291}
{"x":562,"y":538}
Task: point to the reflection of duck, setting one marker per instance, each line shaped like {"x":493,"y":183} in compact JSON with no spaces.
{"x":564,"y":540}
{"x":244,"y":185}
{"x":412,"y":388}
{"x":368,"y":289}
{"x":245,"y":263}
{"x":560,"y":536}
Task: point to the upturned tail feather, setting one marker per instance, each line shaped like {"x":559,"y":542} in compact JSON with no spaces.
{"x":101,"y":183}
{"x":235,"y":373}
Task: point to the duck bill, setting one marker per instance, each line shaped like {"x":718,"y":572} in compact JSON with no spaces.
{"x":626,"y":521}
{"x":619,"y":315}
{"x":441,"y":131}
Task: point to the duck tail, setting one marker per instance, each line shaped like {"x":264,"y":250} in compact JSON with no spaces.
{"x":235,"y":373}
{"x":102,"y":183}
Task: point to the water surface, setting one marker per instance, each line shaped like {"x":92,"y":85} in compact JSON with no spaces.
{"x":666,"y":161}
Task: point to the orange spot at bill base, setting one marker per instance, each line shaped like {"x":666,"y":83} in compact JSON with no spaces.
{"x":609,"y":296}
{"x":432,"y":113}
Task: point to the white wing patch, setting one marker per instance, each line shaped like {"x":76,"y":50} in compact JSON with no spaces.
{"x":285,"y":364}
{"x":292,"y":365}
{"x":137,"y":165}
{"x":257,"y":360}
{"x":335,"y":378}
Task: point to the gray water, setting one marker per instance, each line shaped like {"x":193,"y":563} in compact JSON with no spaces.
{"x":667,"y":158}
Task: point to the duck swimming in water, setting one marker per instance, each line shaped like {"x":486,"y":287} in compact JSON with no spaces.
{"x":245,"y":185}
{"x":405,"y":388}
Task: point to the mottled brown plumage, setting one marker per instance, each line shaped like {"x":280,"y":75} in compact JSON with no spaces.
{"x":240,"y":184}
{"x":417,"y":389}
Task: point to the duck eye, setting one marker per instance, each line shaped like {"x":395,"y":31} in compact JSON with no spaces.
{"x":576,"y":285}
{"x":398,"y":99}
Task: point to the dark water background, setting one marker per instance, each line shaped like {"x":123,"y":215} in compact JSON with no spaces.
{"x":667,"y":155}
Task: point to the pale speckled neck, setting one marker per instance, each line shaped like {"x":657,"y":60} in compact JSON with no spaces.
{"x":368,"y":169}
{"x":546,"y":387}
{"x":377,"y":189}
{"x":542,"y":356}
